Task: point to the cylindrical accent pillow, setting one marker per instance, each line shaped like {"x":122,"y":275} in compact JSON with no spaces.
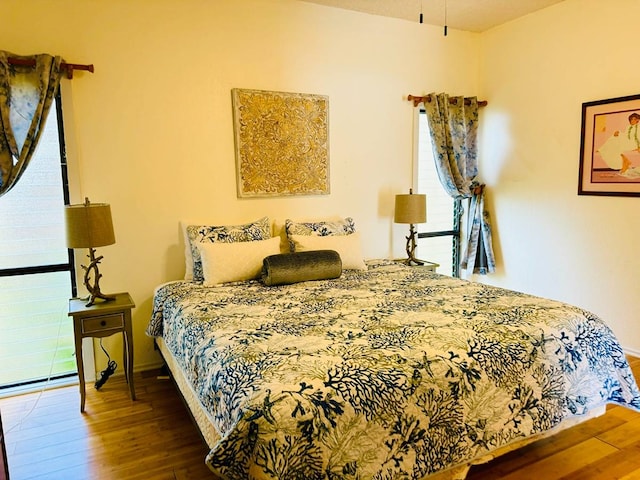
{"x":287,"y":268}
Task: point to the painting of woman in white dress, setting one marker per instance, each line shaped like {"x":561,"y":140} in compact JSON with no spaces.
{"x":622,"y":145}
{"x":610,"y":147}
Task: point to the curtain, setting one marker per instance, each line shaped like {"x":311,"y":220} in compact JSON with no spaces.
{"x":478,"y":255}
{"x":26,"y":94}
{"x":453,"y":125}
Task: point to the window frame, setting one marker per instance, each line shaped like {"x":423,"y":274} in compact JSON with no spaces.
{"x":458,"y":211}
{"x":69,"y":266}
{"x":59,"y":267}
{"x":454,"y":233}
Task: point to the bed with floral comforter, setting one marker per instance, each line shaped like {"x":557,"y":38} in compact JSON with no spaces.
{"x":390,"y":373}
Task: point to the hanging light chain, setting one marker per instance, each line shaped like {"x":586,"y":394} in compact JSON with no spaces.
{"x":445,"y":18}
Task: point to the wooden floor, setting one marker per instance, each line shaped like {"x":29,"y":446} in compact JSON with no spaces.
{"x":153,"y":438}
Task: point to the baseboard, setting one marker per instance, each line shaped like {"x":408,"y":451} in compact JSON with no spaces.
{"x":631,"y":351}
{"x":148,"y":366}
{"x":136,"y":369}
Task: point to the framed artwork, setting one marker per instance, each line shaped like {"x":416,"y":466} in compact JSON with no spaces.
{"x":610,"y":147}
{"x":281,"y":143}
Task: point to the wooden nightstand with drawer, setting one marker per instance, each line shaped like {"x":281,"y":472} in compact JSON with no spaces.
{"x":103,"y":319}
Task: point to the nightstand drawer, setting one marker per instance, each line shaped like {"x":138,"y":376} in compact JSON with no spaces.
{"x":105,"y":322}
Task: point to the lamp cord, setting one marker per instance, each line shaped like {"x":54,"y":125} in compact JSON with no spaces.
{"x":107,"y":372}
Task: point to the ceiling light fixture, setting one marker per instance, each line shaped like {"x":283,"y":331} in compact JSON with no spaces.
{"x":445,"y":18}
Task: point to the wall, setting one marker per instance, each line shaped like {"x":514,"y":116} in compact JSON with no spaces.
{"x":536,"y":72}
{"x":151,"y":130}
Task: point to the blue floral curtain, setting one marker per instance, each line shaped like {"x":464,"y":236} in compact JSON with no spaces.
{"x":26,"y":94}
{"x":453,"y":124}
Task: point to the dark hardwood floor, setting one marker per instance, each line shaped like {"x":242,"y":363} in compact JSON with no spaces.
{"x":153,"y":438}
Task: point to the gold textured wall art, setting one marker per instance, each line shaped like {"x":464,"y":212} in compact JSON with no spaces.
{"x":282,"y":143}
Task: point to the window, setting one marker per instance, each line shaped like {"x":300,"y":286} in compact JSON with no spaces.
{"x":439,"y":238}
{"x":36,"y":268}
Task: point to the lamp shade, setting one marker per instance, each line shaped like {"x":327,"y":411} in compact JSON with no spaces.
{"x":411,"y":208}
{"x":89,"y":225}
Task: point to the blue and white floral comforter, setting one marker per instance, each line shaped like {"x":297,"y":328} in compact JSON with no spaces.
{"x":391,"y":373}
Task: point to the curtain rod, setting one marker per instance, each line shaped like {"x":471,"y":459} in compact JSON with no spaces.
{"x":70,"y":67}
{"x":427,"y":98}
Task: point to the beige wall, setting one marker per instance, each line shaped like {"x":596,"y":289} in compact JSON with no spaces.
{"x":536,"y":72}
{"x":151,"y":130}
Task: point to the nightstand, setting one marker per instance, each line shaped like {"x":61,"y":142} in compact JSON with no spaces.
{"x":430,"y":266}
{"x":103,"y":319}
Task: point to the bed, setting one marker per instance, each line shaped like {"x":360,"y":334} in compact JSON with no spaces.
{"x":386,"y":372}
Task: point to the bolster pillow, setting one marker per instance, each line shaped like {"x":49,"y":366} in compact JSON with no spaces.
{"x":287,"y":268}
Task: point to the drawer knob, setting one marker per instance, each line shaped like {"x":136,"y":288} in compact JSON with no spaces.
{"x":103,"y":323}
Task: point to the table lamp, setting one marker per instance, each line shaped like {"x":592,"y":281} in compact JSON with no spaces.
{"x":89,"y":226}
{"x":411,"y":209}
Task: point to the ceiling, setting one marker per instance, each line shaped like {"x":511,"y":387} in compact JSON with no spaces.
{"x":469,"y":15}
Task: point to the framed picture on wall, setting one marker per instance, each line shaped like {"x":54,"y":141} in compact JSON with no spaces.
{"x":610,"y":147}
{"x":282,"y":143}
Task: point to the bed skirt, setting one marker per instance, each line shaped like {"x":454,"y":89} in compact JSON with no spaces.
{"x":199,"y":414}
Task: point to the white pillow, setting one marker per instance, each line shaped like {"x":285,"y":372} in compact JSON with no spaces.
{"x":198,"y":232}
{"x":348,"y":246}
{"x":234,"y":262}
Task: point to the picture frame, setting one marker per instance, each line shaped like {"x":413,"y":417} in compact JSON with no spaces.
{"x":281,"y":143}
{"x":610,"y":147}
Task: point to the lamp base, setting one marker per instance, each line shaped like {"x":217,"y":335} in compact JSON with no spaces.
{"x":94,"y":288}
{"x":413,"y":261}
{"x":93,"y":297}
{"x":411,"y":248}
